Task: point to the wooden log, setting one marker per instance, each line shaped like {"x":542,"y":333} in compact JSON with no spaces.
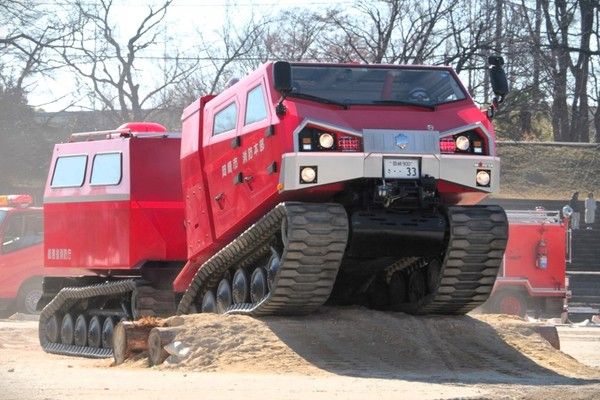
{"x":157,"y":340}
{"x":130,"y":338}
{"x":548,"y":332}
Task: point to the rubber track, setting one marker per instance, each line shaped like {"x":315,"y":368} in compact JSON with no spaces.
{"x":64,"y":300}
{"x":477,"y":238}
{"x":317,"y":235}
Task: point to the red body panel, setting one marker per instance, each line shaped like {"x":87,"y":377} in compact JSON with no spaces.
{"x":118,"y":226}
{"x":24,"y":264}
{"x":519,"y":269}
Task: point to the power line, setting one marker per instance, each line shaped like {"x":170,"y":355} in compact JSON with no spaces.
{"x":204,"y":5}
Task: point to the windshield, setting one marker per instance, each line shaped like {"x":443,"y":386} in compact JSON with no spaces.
{"x":375,"y":85}
{"x":2,"y":215}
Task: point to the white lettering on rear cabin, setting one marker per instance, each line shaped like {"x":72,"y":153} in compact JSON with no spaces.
{"x":59,"y":254}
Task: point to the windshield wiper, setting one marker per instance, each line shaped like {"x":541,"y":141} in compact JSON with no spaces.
{"x":319,"y":99}
{"x":405,"y":103}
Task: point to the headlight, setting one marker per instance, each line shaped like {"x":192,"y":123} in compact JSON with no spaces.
{"x":463,"y":143}
{"x":308,"y":174}
{"x":326,"y":140}
{"x":483,"y":178}
{"x":567,"y":211}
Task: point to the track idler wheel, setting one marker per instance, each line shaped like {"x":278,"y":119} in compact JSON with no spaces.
{"x":52,"y":329}
{"x":67,"y":329}
{"x":209,"y":304}
{"x":223,"y":296}
{"x":258,"y":285}
{"x":108,"y":328}
{"x":241,"y":287}
{"x":94,"y":337}
{"x":417,"y":285}
{"x":81,"y":331}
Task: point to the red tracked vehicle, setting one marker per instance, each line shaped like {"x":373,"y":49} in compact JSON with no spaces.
{"x":302,"y":183}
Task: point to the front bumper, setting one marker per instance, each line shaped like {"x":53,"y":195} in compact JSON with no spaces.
{"x":338,"y":167}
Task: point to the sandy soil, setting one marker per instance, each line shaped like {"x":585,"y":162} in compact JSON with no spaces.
{"x":351,"y":353}
{"x":364,"y":343}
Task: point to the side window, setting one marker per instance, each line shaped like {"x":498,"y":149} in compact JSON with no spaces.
{"x":22,"y":231}
{"x":225,"y":120}
{"x":69,"y":171}
{"x":255,"y":106}
{"x":106,"y":169}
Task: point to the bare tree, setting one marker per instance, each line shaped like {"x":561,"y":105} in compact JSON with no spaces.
{"x":240,"y":48}
{"x":294,"y":35}
{"x":118,"y":71}
{"x":28,"y":33}
{"x":580,"y":123}
{"x":235,"y":53}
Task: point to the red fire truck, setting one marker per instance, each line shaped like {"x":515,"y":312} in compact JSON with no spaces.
{"x":21,"y":254}
{"x":532,"y":276}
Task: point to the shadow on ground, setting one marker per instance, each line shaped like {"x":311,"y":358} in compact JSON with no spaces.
{"x":459,"y":349}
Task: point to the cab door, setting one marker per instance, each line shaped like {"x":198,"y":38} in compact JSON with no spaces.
{"x":221,"y":161}
{"x":260,"y":151}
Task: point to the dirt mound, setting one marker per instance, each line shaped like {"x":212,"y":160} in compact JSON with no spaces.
{"x":365,"y":343}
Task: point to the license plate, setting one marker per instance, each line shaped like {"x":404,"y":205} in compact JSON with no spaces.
{"x":401,"y":168}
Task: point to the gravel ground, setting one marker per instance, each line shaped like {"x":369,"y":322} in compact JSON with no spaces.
{"x":333,"y":361}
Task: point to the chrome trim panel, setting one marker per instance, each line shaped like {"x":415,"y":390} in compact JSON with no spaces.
{"x":384,"y":141}
{"x":340,"y":167}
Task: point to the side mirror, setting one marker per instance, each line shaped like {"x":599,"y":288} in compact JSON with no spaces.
{"x":282,"y":77}
{"x":498,"y":76}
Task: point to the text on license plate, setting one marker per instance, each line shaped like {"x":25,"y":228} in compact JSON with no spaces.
{"x":401,"y":168}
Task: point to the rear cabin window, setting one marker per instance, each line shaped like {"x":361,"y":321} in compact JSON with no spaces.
{"x":225,"y":120}
{"x":69,"y":171}
{"x":23,"y":230}
{"x":255,"y":106}
{"x":106,"y":169}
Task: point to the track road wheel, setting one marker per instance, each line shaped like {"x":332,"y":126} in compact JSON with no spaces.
{"x":272,"y":267}
{"x":433,"y":275}
{"x":108,"y":328}
{"x":209,"y":304}
{"x":223,"y":296}
{"x":94,"y":337}
{"x":240,"y":287}
{"x":509,"y":302}
{"x":417,"y":285}
{"x":52,"y":329}
{"x":397,"y":288}
{"x":67,"y":329}
{"x":81,"y":331}
{"x":258,"y":285}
